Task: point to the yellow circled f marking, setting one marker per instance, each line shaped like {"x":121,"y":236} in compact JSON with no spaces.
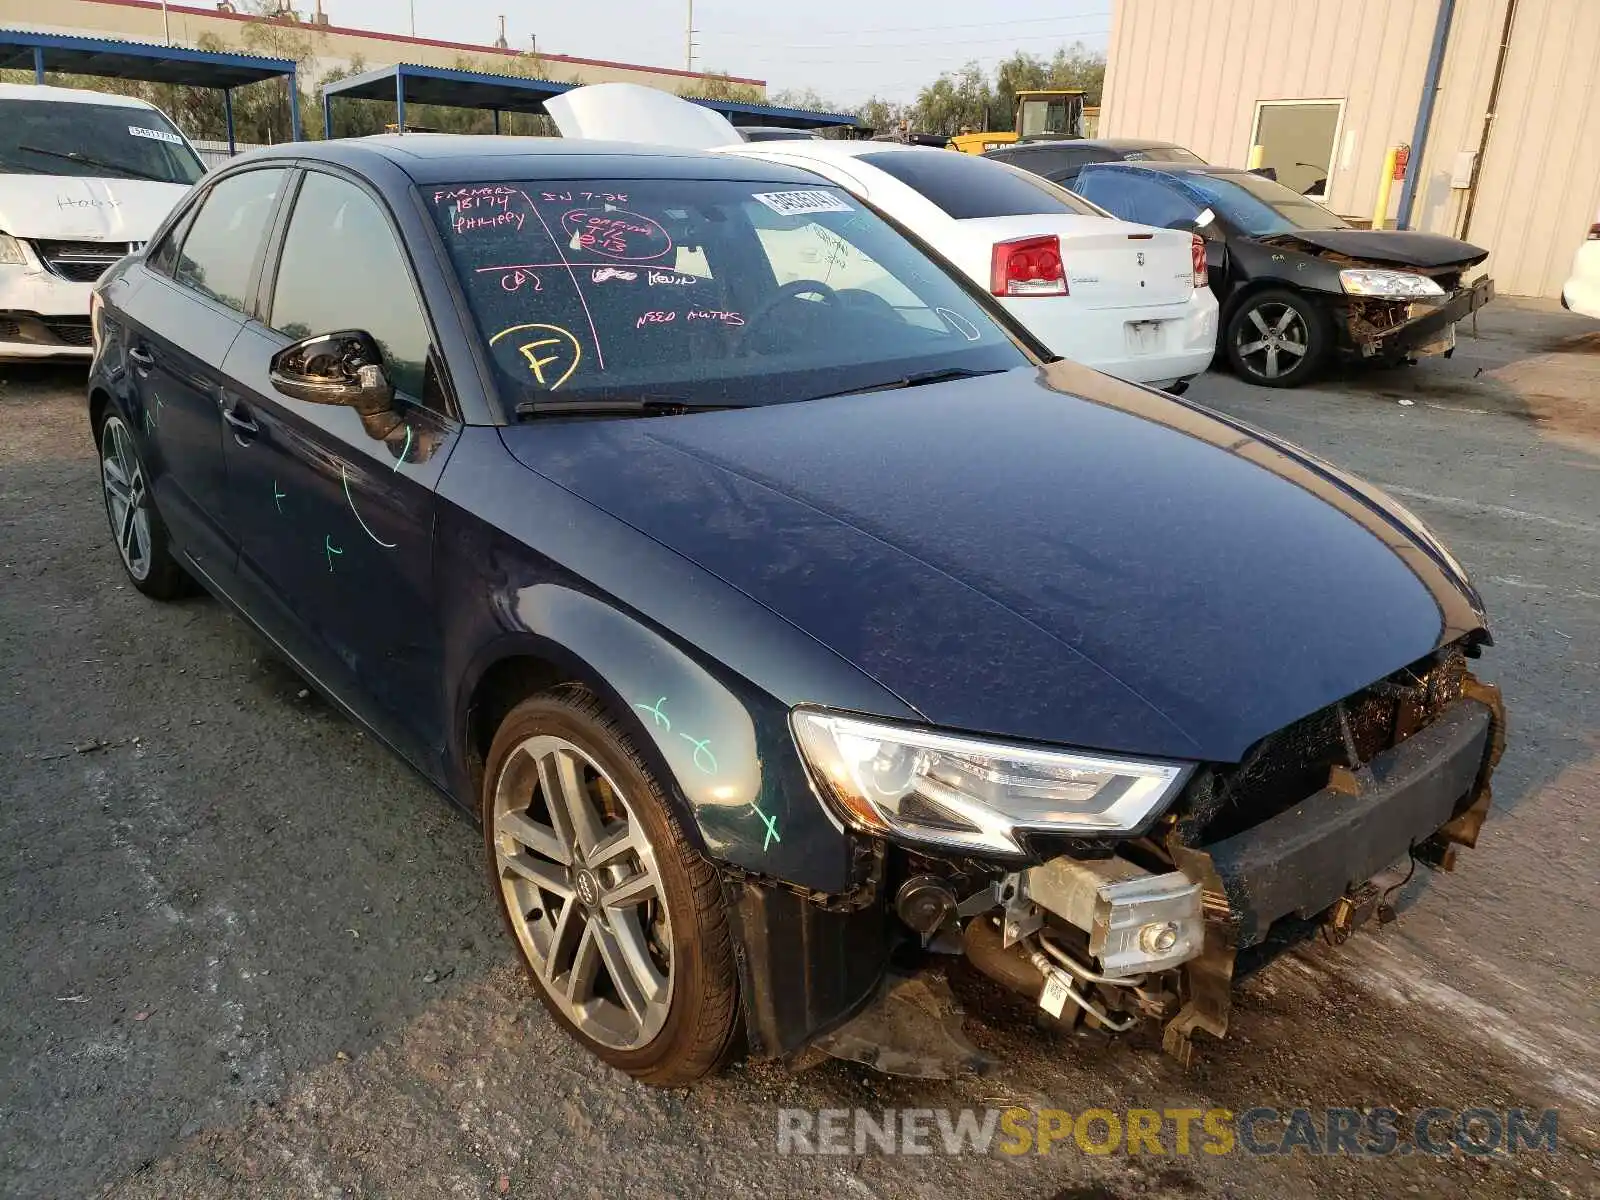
{"x":537,"y":363}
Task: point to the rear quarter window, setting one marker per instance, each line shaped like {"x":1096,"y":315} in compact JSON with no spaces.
{"x":964,"y":186}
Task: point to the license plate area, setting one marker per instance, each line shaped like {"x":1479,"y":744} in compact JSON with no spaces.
{"x":1144,"y":337}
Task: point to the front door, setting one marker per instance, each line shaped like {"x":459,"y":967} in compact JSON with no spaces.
{"x":181,"y":327}
{"x":335,"y":516}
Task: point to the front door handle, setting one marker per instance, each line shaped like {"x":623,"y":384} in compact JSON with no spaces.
{"x":141,"y":358}
{"x":240,"y":420}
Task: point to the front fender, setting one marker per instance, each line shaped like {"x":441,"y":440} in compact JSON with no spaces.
{"x":701,"y":676}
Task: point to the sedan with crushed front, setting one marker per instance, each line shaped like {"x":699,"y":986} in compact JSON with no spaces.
{"x":779,"y":632}
{"x":1299,"y":286}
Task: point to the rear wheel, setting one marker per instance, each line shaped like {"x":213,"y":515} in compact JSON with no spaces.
{"x":1277,"y":338}
{"x":136,"y":526}
{"x":619,"y":919}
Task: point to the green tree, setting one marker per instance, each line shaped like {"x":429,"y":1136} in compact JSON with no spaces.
{"x":954,"y":102}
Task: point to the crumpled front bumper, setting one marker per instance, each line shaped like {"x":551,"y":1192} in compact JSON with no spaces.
{"x":1302,"y":861}
{"x":1428,"y":328}
{"x":1421,"y":798}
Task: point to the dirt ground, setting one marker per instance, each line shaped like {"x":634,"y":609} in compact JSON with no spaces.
{"x":244,"y":952}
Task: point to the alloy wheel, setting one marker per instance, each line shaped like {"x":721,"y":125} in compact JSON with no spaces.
{"x":579,"y":880}
{"x":127,"y":498}
{"x":1273,"y":340}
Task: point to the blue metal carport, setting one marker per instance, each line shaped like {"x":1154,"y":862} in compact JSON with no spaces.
{"x":149,"y":63}
{"x":405,"y":82}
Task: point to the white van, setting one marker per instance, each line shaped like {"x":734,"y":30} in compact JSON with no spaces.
{"x":85,"y":178}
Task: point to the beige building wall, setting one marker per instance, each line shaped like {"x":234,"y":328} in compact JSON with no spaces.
{"x":330,"y":46}
{"x":1192,"y":72}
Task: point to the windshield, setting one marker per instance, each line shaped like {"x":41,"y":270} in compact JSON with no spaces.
{"x":1260,"y":206}
{"x":702,"y":292}
{"x":100,"y":141}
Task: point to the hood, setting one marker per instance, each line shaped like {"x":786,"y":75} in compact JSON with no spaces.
{"x":91,"y":210}
{"x":1400,"y":246}
{"x":631,"y":112}
{"x":1045,"y":554}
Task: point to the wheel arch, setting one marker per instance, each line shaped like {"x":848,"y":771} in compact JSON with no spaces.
{"x":99,"y":403}
{"x":518,"y":666}
{"x":719,"y":744}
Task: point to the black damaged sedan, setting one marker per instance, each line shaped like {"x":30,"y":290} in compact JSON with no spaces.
{"x":1298,"y":284}
{"x":779,"y":609}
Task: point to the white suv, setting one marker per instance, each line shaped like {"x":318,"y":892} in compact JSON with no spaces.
{"x":85,"y":178}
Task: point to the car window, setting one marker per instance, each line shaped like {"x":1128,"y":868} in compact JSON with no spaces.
{"x":1146,"y":198}
{"x":966,"y":186}
{"x":163,"y":256}
{"x":342,"y":269}
{"x":99,"y":141}
{"x":812,"y":251}
{"x":1260,"y":206}
{"x":711,"y":291}
{"x":219,"y":252}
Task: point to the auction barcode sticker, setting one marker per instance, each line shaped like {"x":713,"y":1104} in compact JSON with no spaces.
{"x":1054,"y":997}
{"x":789,"y":204}
{"x":155,"y":135}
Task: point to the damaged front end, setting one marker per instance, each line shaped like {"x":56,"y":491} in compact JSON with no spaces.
{"x":1315,"y":829}
{"x":1392,"y":306}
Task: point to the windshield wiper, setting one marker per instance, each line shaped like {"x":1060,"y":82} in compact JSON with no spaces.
{"x":917,"y":379}
{"x":616,"y":406}
{"x":86,"y":160}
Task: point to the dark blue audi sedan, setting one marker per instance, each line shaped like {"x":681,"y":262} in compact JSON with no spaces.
{"x":783,"y":614}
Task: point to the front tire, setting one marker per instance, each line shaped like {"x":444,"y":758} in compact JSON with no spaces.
{"x":136,"y":527}
{"x":1277,"y":338}
{"x":620,"y":921}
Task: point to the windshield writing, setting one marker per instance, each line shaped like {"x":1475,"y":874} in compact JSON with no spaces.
{"x":701,"y":291}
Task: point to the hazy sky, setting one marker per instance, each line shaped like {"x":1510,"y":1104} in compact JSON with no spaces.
{"x":845,"y":49}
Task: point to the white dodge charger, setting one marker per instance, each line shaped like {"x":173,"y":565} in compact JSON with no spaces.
{"x":1126,"y":299}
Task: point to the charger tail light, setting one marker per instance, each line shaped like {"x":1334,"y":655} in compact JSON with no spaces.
{"x":1029,"y":266}
{"x":1197,"y":251}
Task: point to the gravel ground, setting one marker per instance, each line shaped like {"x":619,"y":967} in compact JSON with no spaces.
{"x":247,"y":953}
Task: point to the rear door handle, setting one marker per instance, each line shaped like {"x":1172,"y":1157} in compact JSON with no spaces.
{"x":141,"y":358}
{"x":239,"y":418}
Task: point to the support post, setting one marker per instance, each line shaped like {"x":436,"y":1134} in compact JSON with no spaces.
{"x":294,"y":107}
{"x":38,"y":64}
{"x":327,"y":115}
{"x":1380,"y":209}
{"x":496,"y":120}
{"x":399,"y":100}
{"x":227,"y":112}
{"x":1430,"y":90}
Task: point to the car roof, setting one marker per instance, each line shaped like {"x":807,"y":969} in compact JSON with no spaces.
{"x":830,"y":150}
{"x":460,"y":158}
{"x":1111,"y":145}
{"x":64,"y":95}
{"x":1168,"y":168}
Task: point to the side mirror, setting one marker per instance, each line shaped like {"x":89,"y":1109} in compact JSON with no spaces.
{"x":335,"y":368}
{"x":1205,"y":218}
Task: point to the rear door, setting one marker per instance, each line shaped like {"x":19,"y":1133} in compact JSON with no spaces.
{"x":182,"y":322}
{"x":336,"y":514}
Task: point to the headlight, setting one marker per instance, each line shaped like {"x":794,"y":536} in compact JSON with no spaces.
{"x":11,"y":252}
{"x":1396,"y":285}
{"x":967,"y":793}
